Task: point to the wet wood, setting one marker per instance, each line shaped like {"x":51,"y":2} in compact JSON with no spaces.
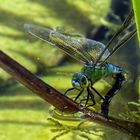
{"x":58,"y":100}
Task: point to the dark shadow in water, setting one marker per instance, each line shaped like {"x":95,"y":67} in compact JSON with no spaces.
{"x":26,"y":105}
{"x":14,"y":37}
{"x":14,"y":21}
{"x":13,"y":122}
{"x":66,"y":12}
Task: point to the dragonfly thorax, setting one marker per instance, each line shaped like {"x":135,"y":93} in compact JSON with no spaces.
{"x":96,"y":73}
{"x":80,"y":81}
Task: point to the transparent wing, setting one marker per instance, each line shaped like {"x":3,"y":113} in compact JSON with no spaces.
{"x":128,"y":22}
{"x":94,"y":49}
{"x":78,"y":47}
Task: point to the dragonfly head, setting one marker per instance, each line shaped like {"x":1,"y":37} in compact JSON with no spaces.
{"x":79,"y":81}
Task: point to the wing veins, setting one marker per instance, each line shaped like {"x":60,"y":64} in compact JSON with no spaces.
{"x":76,"y":47}
{"x":68,"y":49}
{"x":120,"y":44}
{"x":122,"y":28}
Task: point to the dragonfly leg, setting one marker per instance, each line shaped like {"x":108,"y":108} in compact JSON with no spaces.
{"x":68,"y":90}
{"x":82,"y":101}
{"x":97,"y":93}
{"x":86,"y":100}
{"x":78,"y":94}
{"x":91,"y":96}
{"x":117,"y":85}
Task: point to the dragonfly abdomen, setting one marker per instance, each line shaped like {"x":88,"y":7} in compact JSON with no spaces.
{"x":114,"y":69}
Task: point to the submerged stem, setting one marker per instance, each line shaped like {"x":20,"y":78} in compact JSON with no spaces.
{"x":58,"y":100}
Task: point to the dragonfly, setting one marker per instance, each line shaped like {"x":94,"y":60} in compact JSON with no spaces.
{"x":94,"y":55}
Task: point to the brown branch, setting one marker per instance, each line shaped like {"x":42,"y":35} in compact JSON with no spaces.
{"x":58,"y":100}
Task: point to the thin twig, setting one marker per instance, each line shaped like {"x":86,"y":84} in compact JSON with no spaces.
{"x":59,"y":101}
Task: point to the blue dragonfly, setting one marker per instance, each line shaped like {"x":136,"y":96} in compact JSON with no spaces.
{"x":93,"y":54}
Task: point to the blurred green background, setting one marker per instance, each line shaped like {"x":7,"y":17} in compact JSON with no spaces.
{"x":23,"y":115}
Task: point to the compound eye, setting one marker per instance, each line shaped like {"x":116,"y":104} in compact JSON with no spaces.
{"x":76,"y":84}
{"x":83,"y":80}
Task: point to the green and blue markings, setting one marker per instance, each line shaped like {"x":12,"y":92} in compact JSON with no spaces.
{"x":94,"y":55}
